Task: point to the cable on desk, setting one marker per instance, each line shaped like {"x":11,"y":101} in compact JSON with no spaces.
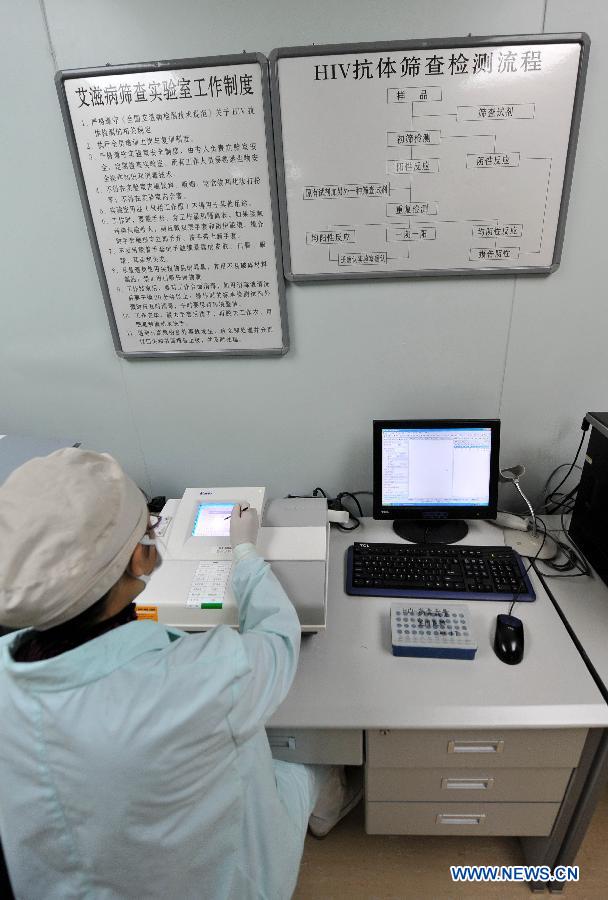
{"x":574,"y":564}
{"x":522,"y":583}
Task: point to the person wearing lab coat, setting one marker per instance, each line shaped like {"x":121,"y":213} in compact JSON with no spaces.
{"x":133,"y":758}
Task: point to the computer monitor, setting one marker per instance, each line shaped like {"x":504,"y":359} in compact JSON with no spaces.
{"x":431,"y":474}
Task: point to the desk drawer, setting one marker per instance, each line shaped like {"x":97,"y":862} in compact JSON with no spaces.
{"x":521,"y":819}
{"x":338,"y":746}
{"x":550,"y":748}
{"x":486,"y":785}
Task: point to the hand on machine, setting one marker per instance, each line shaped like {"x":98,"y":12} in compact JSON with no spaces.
{"x":244,"y":525}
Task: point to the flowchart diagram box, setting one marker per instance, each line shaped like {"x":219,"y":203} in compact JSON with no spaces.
{"x":472,"y":138}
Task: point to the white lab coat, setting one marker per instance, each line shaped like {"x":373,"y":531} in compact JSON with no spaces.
{"x":137,"y":765}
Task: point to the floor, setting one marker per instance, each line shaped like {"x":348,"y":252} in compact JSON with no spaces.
{"x":350,"y":864}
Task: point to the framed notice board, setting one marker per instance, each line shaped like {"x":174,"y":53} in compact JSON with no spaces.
{"x":175,"y":166}
{"x":426,"y":157}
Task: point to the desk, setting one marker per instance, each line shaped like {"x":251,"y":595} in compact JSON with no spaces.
{"x":352,"y":701}
{"x":582,"y":603}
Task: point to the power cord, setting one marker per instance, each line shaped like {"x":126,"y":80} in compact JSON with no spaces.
{"x":555,"y":500}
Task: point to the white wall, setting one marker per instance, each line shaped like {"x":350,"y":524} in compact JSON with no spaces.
{"x":526,"y":349}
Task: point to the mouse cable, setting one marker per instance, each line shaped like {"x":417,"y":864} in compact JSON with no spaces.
{"x":522,"y":583}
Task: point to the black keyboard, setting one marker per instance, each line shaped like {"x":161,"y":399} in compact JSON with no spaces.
{"x":441,"y":571}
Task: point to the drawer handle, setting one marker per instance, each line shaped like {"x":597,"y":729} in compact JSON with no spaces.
{"x":282,"y":743}
{"x":476,"y":746}
{"x":467,"y":784}
{"x":460,"y":819}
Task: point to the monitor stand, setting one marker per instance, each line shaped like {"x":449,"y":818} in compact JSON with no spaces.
{"x":431,"y":531}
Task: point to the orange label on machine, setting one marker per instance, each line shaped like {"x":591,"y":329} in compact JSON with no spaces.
{"x":147,"y":612}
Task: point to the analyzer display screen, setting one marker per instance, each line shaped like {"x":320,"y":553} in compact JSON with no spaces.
{"x":212,"y":520}
{"x":436,"y":466}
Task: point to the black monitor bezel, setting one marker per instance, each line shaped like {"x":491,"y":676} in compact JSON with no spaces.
{"x":435,"y":512}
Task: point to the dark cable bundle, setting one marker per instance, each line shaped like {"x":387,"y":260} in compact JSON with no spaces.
{"x":556,"y":500}
{"x":573,"y":565}
{"x":339,"y":505}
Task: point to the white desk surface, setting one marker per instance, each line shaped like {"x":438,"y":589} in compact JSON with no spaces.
{"x":348,"y":678}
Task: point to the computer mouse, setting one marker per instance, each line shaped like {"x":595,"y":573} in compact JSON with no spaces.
{"x":509,"y":639}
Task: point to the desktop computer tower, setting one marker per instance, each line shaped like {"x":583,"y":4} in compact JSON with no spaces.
{"x":589,"y":524}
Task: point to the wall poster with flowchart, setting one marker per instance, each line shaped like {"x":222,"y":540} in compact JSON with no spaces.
{"x":428,"y":158}
{"x":175,"y":166}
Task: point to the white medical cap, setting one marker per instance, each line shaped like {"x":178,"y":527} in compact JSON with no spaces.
{"x":69,"y":523}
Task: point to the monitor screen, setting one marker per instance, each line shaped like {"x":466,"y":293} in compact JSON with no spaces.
{"x":436,"y":466}
{"x":432,"y":468}
{"x":212,"y":520}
